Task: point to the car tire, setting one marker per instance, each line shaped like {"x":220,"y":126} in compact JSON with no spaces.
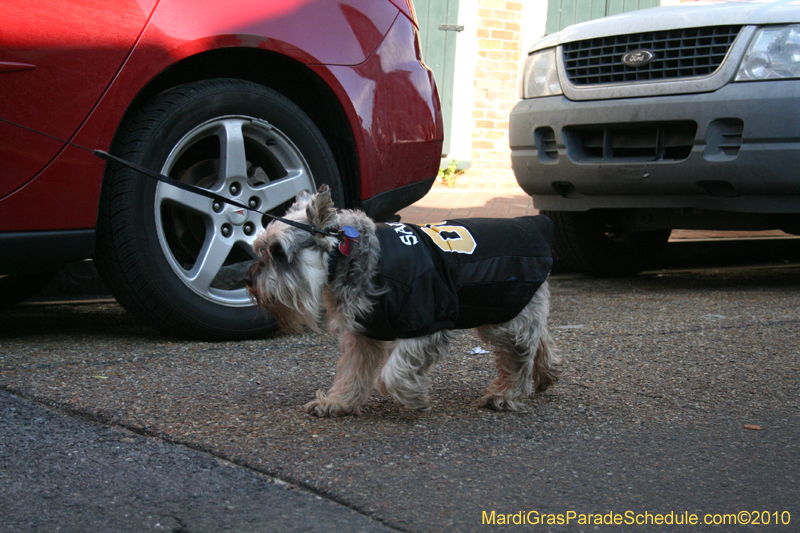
{"x":585,"y":242}
{"x":176,"y":259}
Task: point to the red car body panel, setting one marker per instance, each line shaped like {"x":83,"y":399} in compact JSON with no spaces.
{"x":72,"y":64}
{"x":364,"y":50}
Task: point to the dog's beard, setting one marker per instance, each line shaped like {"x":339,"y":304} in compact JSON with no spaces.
{"x":294,"y":294}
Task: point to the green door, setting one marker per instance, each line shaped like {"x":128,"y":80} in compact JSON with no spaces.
{"x":562,"y":13}
{"x":438,"y":27}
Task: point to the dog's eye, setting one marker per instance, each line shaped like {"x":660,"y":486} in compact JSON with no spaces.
{"x":276,"y":251}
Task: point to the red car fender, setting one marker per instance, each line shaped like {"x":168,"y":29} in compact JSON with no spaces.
{"x":398,"y":126}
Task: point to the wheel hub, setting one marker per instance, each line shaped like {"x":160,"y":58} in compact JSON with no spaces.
{"x":246,"y":160}
{"x":235,"y":215}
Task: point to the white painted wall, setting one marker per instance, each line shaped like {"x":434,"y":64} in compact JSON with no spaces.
{"x":534,"y":18}
{"x":463,"y":81}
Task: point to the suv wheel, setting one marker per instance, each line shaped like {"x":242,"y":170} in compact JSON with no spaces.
{"x":586,"y":242}
{"x":176,"y":259}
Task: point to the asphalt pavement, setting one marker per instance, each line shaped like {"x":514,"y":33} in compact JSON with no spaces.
{"x":66,"y":473}
{"x":679,"y":398}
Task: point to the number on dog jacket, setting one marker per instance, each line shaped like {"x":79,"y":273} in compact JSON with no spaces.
{"x":458,"y":274}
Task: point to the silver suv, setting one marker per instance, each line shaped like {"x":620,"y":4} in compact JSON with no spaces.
{"x":672,"y":117}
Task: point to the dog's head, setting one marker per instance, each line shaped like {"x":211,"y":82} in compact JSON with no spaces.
{"x":291,"y":265}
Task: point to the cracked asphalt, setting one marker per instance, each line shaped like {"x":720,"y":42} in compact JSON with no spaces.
{"x":680,"y":393}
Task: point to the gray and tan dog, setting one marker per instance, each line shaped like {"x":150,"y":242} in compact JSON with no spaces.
{"x":393,"y":292}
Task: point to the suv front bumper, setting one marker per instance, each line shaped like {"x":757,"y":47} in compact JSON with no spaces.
{"x":734,"y":149}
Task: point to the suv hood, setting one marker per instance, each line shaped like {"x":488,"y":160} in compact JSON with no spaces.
{"x":690,"y":15}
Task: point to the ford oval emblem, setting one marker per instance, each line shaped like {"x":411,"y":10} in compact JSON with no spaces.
{"x":638,"y":58}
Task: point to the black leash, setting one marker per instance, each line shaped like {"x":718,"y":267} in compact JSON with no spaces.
{"x":329,"y":232}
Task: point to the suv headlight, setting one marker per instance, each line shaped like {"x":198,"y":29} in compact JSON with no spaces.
{"x":540,"y":77}
{"x":774,"y":53}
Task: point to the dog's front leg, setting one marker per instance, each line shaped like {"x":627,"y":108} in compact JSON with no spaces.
{"x":355,"y":376}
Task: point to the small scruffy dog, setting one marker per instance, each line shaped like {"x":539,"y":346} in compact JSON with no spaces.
{"x":393,"y":292}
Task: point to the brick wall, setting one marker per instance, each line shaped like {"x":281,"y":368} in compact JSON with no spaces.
{"x":495,"y":93}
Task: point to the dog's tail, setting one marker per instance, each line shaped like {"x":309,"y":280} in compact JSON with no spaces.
{"x":546,"y":363}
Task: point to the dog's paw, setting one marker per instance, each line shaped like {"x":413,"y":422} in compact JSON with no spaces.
{"x":414,"y":398}
{"x":498,"y":403}
{"x":420,"y":403}
{"x":543,"y":380}
{"x":324,"y":408}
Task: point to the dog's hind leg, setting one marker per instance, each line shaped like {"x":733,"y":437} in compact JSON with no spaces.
{"x":406,"y":373}
{"x":358,"y":365}
{"x":525,"y":357}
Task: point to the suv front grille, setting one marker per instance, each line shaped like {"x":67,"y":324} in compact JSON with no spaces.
{"x":683,"y":53}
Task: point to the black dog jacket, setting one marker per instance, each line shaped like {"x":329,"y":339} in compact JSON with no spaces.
{"x":457,"y":274}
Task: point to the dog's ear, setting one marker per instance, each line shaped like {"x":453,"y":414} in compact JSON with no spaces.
{"x":320,"y":210}
{"x":301,"y":201}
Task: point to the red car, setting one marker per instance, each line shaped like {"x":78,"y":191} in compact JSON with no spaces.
{"x":256,"y":100}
